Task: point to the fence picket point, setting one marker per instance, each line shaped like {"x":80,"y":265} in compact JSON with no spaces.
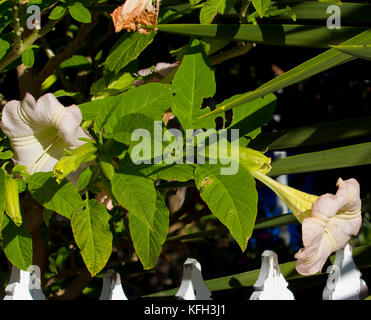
{"x":112,"y":288}
{"x":193,"y":286}
{"x":24,"y":285}
{"x":344,"y":281}
{"x":271,"y":284}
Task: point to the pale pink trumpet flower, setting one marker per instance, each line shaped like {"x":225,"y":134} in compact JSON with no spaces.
{"x":333,"y":220}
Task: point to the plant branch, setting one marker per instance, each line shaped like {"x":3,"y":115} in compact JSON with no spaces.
{"x":240,"y":50}
{"x":77,"y":43}
{"x":17,"y":42}
{"x":37,"y":34}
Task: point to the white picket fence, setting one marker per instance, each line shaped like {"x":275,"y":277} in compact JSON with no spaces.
{"x":344,"y":282}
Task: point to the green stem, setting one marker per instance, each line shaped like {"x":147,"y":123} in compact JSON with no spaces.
{"x":37,"y":34}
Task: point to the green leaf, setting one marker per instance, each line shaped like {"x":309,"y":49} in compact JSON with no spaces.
{"x":261,"y":6}
{"x":268,"y":34}
{"x":272,"y":12}
{"x":4,"y":46}
{"x":57,"y":13}
{"x":354,"y":155}
{"x":79,"y":12}
{"x":16,"y":243}
{"x":359,"y":51}
{"x":126,"y":49}
{"x":52,"y":195}
{"x":137,"y":194}
{"x":2,"y":197}
{"x":231,"y":198}
{"x":322,"y":62}
{"x":6,"y":154}
{"x":212,"y":7}
{"x":317,"y":134}
{"x":28,"y":58}
{"x":152,"y":100}
{"x":147,"y":242}
{"x":84,"y":178}
{"x":76,"y":61}
{"x":331,"y":1}
{"x":193,"y":81}
{"x":178,"y":172}
{"x":92,"y":234}
{"x":252,"y":115}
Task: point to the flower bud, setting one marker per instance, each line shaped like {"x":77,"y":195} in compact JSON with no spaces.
{"x":12,"y":207}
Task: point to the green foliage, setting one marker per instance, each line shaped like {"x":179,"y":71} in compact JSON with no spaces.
{"x":213,"y":7}
{"x":126,"y":49}
{"x":148,"y":241}
{"x":93,"y":236}
{"x":79,"y":12}
{"x":234,"y":206}
{"x":261,"y":6}
{"x":113,"y":205}
{"x":193,"y":82}
{"x":16,"y":243}
{"x":51,"y":195}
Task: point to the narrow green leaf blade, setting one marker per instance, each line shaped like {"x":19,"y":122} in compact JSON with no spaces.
{"x":349,"y":156}
{"x":359,"y":51}
{"x":268,"y":34}
{"x":322,"y":62}
{"x":317,"y":134}
{"x":92,"y":234}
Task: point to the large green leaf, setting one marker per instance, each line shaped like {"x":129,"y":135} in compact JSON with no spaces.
{"x":137,"y":194}
{"x":317,"y":134}
{"x":147,"y":242}
{"x":92,"y":234}
{"x":152,"y":100}
{"x":281,"y":35}
{"x":16,"y":243}
{"x":322,"y":62}
{"x":354,"y":155}
{"x":193,"y":81}
{"x":62,"y":198}
{"x":126,"y":49}
{"x":231,"y":198}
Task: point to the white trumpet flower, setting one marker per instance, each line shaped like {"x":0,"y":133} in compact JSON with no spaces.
{"x":39,"y":131}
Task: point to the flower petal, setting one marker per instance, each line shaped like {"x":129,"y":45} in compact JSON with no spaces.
{"x":39,"y":131}
{"x":134,"y":13}
{"x":334,"y":219}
